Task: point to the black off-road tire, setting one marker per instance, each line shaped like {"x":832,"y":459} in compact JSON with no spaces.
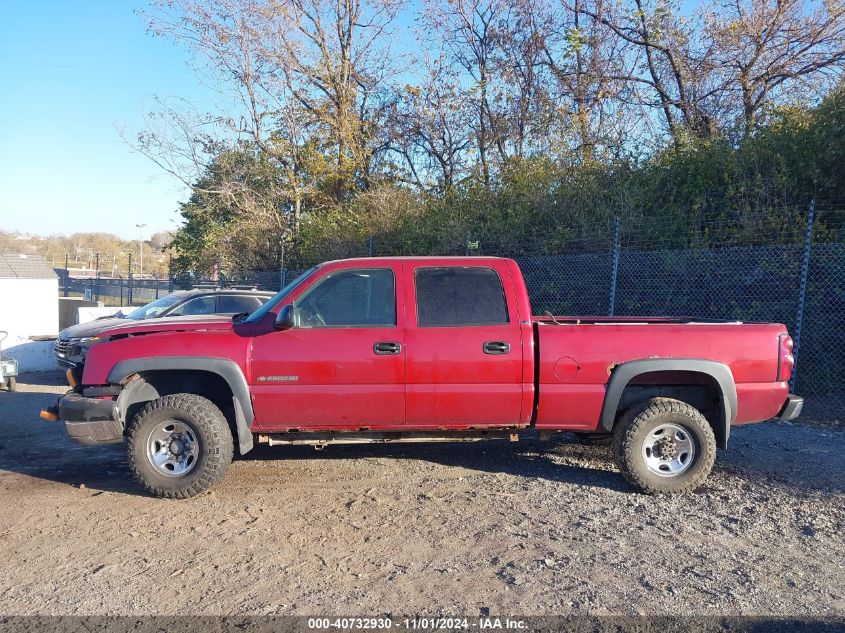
{"x":639,"y":421}
{"x":213,"y":437}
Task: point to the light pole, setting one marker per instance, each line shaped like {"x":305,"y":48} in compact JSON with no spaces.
{"x":140,"y":248}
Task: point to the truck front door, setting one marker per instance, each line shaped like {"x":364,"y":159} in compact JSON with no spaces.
{"x":342,"y":365}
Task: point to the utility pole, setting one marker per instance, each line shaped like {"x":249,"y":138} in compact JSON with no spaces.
{"x":140,"y":248}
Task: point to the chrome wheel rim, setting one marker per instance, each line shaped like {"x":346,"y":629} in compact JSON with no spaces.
{"x":172,"y":448}
{"x":669,"y":450}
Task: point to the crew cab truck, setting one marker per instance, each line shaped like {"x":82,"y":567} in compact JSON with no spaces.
{"x":422,"y":349}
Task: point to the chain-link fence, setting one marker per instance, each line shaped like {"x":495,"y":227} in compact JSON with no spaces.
{"x":799,"y":284}
{"x":792,"y":272}
{"x":129,"y":289}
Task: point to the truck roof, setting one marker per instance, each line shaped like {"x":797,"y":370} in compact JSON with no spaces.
{"x":420,"y":258}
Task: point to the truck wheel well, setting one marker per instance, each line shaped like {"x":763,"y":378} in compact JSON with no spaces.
{"x":694,"y":388}
{"x":151,"y":385}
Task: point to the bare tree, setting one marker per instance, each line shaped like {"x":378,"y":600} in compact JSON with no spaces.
{"x":467,"y":30}
{"x":305,"y":74}
{"x":432,"y":129}
{"x":334,"y":58}
{"x":669,"y":67}
{"x":520,"y":109}
{"x":226,"y":36}
{"x":586,"y":62}
{"x":770,"y":50}
{"x":727,"y":62}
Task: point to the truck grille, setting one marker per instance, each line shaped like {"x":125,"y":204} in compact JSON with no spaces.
{"x":60,"y":347}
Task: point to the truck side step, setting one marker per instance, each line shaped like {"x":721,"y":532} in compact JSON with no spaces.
{"x":320,"y":440}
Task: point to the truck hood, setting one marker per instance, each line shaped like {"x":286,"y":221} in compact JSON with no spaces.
{"x":169,"y":324}
{"x":93,"y":328}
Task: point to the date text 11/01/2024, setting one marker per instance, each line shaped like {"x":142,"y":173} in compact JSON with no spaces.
{"x":418,"y":624}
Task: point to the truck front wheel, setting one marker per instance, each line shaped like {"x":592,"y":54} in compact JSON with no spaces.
{"x":664,"y":446}
{"x":179,"y":446}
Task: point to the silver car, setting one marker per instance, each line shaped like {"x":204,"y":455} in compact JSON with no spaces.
{"x":73,"y":342}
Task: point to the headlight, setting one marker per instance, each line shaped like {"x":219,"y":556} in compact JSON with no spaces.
{"x":87,"y":341}
{"x":79,"y":346}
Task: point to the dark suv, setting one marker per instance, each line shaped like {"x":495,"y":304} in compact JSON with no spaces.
{"x":73,"y":342}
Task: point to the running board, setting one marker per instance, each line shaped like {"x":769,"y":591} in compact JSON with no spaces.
{"x":320,"y":440}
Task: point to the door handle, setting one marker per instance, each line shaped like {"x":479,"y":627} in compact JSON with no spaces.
{"x":387,"y":347}
{"x":496,"y":347}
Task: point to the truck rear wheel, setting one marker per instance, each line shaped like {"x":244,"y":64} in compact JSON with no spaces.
{"x":179,"y":446}
{"x":664,"y":446}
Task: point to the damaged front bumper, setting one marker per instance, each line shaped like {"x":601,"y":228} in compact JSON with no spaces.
{"x":87,"y":420}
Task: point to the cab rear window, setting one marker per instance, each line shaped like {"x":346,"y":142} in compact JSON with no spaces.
{"x":452,"y":296}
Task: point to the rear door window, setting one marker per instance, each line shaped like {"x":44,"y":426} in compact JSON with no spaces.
{"x":235,"y":304}
{"x":455,"y":296}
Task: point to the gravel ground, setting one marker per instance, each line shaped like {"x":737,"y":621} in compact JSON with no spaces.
{"x":468,"y":529}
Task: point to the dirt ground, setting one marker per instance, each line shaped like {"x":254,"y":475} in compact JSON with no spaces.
{"x":463,"y":529}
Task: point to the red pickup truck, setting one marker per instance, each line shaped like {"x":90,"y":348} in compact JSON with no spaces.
{"x":422,"y":349}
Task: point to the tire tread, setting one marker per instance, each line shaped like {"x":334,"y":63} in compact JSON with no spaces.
{"x":626,"y":449}
{"x":220,"y":443}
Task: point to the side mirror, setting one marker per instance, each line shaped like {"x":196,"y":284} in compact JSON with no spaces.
{"x":285,"y":318}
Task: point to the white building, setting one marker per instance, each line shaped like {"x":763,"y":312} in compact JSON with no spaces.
{"x":29,"y":308}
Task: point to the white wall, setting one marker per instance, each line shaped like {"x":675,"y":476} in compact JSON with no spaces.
{"x":29,"y":307}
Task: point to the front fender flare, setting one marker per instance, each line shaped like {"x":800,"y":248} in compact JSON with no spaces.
{"x":720,"y":373}
{"x":227,"y":369}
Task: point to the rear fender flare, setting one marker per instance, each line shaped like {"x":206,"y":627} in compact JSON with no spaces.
{"x":720,"y":373}
{"x":227,"y":369}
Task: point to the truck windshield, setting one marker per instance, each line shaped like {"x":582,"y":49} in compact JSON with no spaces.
{"x":278,"y":297}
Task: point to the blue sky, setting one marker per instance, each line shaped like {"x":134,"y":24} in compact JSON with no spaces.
{"x":74,"y":73}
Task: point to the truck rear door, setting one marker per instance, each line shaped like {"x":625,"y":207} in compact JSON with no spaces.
{"x":464,"y":346}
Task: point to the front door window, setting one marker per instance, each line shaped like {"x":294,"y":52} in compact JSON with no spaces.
{"x":349,"y":298}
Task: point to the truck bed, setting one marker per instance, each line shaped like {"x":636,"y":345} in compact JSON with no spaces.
{"x":628,"y":320}
{"x":575,"y":365}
